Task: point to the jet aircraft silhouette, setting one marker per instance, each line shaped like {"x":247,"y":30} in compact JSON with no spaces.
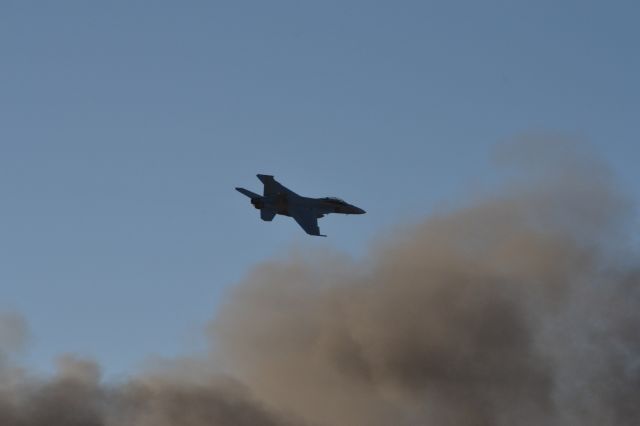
{"x":277,"y":199}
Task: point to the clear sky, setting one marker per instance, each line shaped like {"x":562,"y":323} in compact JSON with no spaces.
{"x":125,"y":126}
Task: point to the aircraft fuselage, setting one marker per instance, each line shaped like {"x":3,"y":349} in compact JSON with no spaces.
{"x":279,"y":200}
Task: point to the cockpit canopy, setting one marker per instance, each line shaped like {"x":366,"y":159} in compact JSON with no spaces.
{"x":335,"y":200}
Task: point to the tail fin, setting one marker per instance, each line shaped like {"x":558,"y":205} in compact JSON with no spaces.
{"x":248,"y":193}
{"x":265,"y":178}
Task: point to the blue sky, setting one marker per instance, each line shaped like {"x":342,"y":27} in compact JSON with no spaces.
{"x":125,"y":126}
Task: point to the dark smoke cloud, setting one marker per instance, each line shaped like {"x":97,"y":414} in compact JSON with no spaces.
{"x":76,"y":397}
{"x":520,"y":308}
{"x":516,"y":308}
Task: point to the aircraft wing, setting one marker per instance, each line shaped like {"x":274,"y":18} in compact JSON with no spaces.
{"x":272,"y":187}
{"x":307,"y":219}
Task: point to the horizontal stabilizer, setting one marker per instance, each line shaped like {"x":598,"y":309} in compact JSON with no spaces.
{"x":248,"y":193}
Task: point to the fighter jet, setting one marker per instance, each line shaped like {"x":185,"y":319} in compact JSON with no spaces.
{"x":277,"y":199}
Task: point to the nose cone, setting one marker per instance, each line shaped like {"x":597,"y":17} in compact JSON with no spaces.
{"x":358,"y":210}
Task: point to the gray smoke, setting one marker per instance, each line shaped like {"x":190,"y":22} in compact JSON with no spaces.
{"x":76,"y":397}
{"x":516,"y":308}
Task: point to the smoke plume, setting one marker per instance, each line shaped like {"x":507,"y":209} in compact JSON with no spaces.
{"x":520,"y":307}
{"x":76,"y":397}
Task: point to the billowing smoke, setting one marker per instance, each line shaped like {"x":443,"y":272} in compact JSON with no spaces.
{"x":518,"y":308}
{"x":76,"y":397}
{"x":521,"y":307}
